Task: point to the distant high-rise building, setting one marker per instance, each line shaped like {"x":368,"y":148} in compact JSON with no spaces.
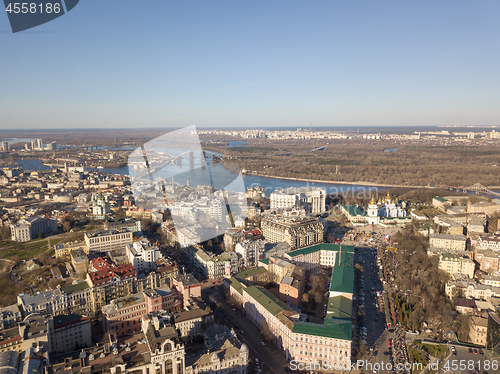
{"x":52,"y":146}
{"x":37,"y":144}
{"x":5,"y":146}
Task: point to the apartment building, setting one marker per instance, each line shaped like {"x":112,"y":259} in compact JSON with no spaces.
{"x":110,"y":281}
{"x":63,"y":251}
{"x":79,"y":298}
{"x":250,"y":251}
{"x":446,"y":241}
{"x":129,"y":224}
{"x":193,"y":321}
{"x":142,"y":255}
{"x":46,"y":303}
{"x":124,"y":315}
{"x":312,"y":199}
{"x":478,"y":330}
{"x":67,"y":333}
{"x":470,"y":289}
{"x":225,"y":353}
{"x":456,"y":264}
{"x":488,"y":260}
{"x":489,"y":241}
{"x":212,"y":266}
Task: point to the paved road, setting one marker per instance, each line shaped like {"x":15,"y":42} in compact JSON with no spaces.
{"x":271,"y":360}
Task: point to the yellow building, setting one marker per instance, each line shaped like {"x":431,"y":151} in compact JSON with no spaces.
{"x":478,"y":330}
{"x":456,"y":264}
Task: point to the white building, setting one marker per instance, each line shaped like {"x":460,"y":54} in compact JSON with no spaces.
{"x":250,"y":251}
{"x":385,"y":209}
{"x":29,"y":228}
{"x":45,"y":303}
{"x":312,"y":199}
{"x":213,"y":266}
{"x":142,"y":255}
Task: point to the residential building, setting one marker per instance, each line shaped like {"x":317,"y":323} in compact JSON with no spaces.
{"x":187,"y":236}
{"x":46,"y":303}
{"x":63,"y":251}
{"x":478,"y":330}
{"x":123,"y":316}
{"x":79,"y":298}
{"x":67,"y":333}
{"x":488,"y":260}
{"x":491,"y":279}
{"x":489,"y":241}
{"x":224,"y":353}
{"x":470,"y":289}
{"x":212,"y":266}
{"x":250,"y":251}
{"x":440,"y":203}
{"x":454,"y":242}
{"x":465,"y":306}
{"x":31,"y":333}
{"x":9,"y":316}
{"x":456,"y":264}
{"x":193,"y":321}
{"x":187,"y":288}
{"x":312,"y":199}
{"x":110,"y":281}
{"x":484,"y":207}
{"x":142,"y":255}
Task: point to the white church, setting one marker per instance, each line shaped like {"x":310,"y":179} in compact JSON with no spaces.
{"x":386,"y":210}
{"x":100,"y":206}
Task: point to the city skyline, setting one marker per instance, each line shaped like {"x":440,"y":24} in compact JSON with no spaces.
{"x":261,"y":65}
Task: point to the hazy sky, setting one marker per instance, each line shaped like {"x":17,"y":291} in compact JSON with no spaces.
{"x":136,"y":63}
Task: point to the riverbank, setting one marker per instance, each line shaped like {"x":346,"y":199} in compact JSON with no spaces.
{"x":336,"y":182}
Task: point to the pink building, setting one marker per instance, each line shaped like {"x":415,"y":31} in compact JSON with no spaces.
{"x":124,"y":316}
{"x":187,"y":287}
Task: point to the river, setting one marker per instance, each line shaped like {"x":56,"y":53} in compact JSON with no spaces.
{"x":220,"y":176}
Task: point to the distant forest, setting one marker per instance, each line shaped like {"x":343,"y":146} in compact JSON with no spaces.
{"x":413,"y":164}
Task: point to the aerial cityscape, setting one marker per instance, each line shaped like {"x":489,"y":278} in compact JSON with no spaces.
{"x":124,"y":257}
{"x":249,"y":187}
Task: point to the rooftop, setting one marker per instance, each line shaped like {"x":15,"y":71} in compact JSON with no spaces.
{"x":354,"y":210}
{"x":251,"y":272}
{"x":320,"y":247}
{"x":337,"y":329}
{"x":271,"y":303}
{"x":342,"y":279}
{"x":339,"y":307}
{"x":75,"y":287}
